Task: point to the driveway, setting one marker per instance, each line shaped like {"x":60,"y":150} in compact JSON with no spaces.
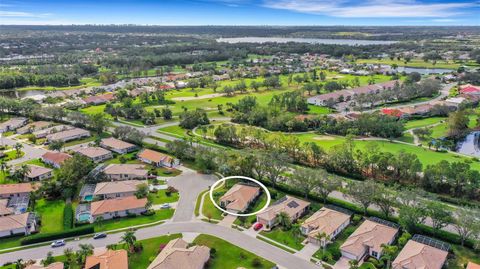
{"x":262,"y":249}
{"x":31,"y":152}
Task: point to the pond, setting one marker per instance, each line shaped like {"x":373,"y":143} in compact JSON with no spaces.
{"x":350,"y":42}
{"x":470,"y":145}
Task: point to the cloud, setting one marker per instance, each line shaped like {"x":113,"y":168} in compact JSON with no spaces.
{"x":370,"y":8}
{"x":21,"y":14}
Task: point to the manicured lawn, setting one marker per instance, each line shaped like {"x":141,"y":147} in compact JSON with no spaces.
{"x":318,"y":109}
{"x":151,"y":248}
{"x":12,"y":155}
{"x":167,"y":172}
{"x":422,"y":122}
{"x":160,"y":197}
{"x":413,"y":63}
{"x":228,"y":256}
{"x":37,"y":162}
{"x":197,"y":204}
{"x":287,"y":238}
{"x":85,"y":82}
{"x":52,"y":215}
{"x":127,"y":222}
{"x":367,"y":265}
{"x":94,"y":110}
{"x":407,"y":137}
{"x":462,"y":256}
{"x":176,"y":130}
{"x":130,"y":158}
{"x":209,"y":210}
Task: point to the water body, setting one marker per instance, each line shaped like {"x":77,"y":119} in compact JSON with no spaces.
{"x":423,"y":71}
{"x":20,"y":94}
{"x":350,"y":42}
{"x":471,"y":144}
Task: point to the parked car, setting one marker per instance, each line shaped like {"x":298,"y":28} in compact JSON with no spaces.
{"x":257,"y":226}
{"x":99,"y":235}
{"x":165,"y":206}
{"x":58,"y":243}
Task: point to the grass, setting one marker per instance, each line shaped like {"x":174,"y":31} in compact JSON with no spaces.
{"x":12,"y":155}
{"x":259,"y":204}
{"x":275,"y":244}
{"x":367,"y":265}
{"x":419,"y":63}
{"x":462,"y":256}
{"x":229,"y":256}
{"x":151,"y":248}
{"x":113,"y":224}
{"x":287,"y":237}
{"x":85,"y":82}
{"x":199,"y":201}
{"x":209,"y":209}
{"x":160,"y":197}
{"x":334,"y":247}
{"x":51,"y":213}
{"x":419,"y":123}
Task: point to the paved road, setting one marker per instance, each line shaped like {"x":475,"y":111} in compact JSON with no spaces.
{"x":31,"y":152}
{"x":190,"y":184}
{"x":233,"y":236}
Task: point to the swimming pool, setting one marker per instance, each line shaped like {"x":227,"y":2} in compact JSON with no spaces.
{"x":88,"y":198}
{"x":83,"y":217}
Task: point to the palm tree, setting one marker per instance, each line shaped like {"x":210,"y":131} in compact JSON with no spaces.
{"x":22,"y":172}
{"x":388,"y":254}
{"x":322,"y":239}
{"x":84,"y":251}
{"x":284,"y":220}
{"x":129,"y":239}
{"x":18,"y":146}
{"x":3,"y":166}
{"x":70,"y":261}
{"x":19,"y":264}
{"x":99,"y":221}
{"x":353,"y":264}
{"x":34,"y":196}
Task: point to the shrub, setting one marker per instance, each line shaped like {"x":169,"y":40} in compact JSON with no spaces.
{"x":256,"y":262}
{"x":38,"y":238}
{"x":68,"y":217}
{"x":149,"y":213}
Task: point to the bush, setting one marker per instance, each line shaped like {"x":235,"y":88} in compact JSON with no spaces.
{"x":256,"y":262}
{"x":38,"y":238}
{"x":149,"y":213}
{"x":68,"y":217}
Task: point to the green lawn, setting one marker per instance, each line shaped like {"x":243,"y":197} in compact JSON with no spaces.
{"x":413,"y":63}
{"x":12,"y":155}
{"x":228,"y":256}
{"x":95,"y":110}
{"x":151,"y":248}
{"x":209,"y":209}
{"x":160,"y":197}
{"x":197,"y":204}
{"x":51,"y":213}
{"x":367,"y":265}
{"x":113,"y":224}
{"x":85,"y":82}
{"x":332,"y":252}
{"x":318,"y":110}
{"x":418,"y":123}
{"x":287,"y":238}
{"x":462,"y":256}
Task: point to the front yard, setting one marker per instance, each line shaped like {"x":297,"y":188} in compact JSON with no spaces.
{"x":332,"y":252}
{"x":161,"y":197}
{"x":290,"y":237}
{"x":113,"y":224}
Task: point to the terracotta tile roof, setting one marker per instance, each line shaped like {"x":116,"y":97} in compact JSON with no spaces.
{"x":116,"y":143}
{"x":239,"y":196}
{"x":11,"y":222}
{"x":6,"y":189}
{"x":416,"y":255}
{"x":118,"y":204}
{"x":91,"y":152}
{"x":176,"y":255}
{"x":108,"y":259}
{"x":325,"y":221}
{"x":117,"y":186}
{"x":370,"y":234}
{"x":36,"y":171}
{"x":34,"y":126}
{"x":55,"y":265}
{"x":289,"y":205}
{"x":56,"y":157}
{"x":4,"y":210}
{"x":67,"y":134}
{"x":472,"y":265}
{"x":154,"y":156}
{"x":130,"y":169}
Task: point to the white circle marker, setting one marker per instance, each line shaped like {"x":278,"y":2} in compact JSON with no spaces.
{"x":237,"y":214}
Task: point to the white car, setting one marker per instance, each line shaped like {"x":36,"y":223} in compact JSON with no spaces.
{"x":165,"y":206}
{"x":58,"y":243}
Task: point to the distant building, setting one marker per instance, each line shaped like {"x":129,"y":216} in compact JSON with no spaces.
{"x":156,"y":158}
{"x":125,"y":171}
{"x":117,"y":145}
{"x":239,"y":197}
{"x":55,"y":159}
{"x":107,"y":259}
{"x":68,"y":135}
{"x":12,"y":124}
{"x":32,"y":127}
{"x":293,"y":207}
{"x":116,"y":189}
{"x":95,"y":154}
{"x":177,"y":255}
{"x":55,"y":265}
{"x":38,"y":173}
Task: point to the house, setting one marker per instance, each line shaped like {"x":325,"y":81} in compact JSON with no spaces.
{"x":12,"y":124}
{"x":125,"y":171}
{"x":326,"y":221}
{"x":116,"y":208}
{"x":17,"y":224}
{"x":178,"y":255}
{"x":469,"y":89}
{"x":96,"y":154}
{"x":43,"y":133}
{"x":472,"y":265}
{"x":116,"y":145}
{"x":68,"y":135}
{"x":368,"y":239}
{"x":393,"y":112}
{"x":422,"y":252}
{"x":32,"y":127}
{"x":454,"y":101}
{"x":38,"y":173}
{"x":55,"y":159}
{"x":15,"y":190}
{"x":156,"y":158}
{"x":239,"y":197}
{"x":294,"y":208}
{"x":107,"y":259}
{"x":116,"y":189}
{"x":5,"y":209}
{"x":55,"y":265}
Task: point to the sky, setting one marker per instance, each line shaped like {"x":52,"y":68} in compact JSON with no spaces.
{"x":241,"y":12}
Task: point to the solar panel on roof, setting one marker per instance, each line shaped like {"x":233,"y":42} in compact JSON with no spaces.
{"x":292,"y":204}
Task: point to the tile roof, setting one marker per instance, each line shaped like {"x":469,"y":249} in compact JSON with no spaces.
{"x":288,"y":204}
{"x":239,"y":196}
{"x":118,"y":204}
{"x":91,"y":152}
{"x":472,"y":265}
{"x":15,"y":188}
{"x":56,"y":157}
{"x":108,"y":259}
{"x":325,"y":221}
{"x":130,"y":169}
{"x":154,"y":156}
{"x":55,"y":265}
{"x":11,"y":222}
{"x":36,"y":171}
{"x":117,"y":186}
{"x":4,"y":210}
{"x":116,"y":143}
{"x":416,"y":255}
{"x":67,"y":134}
{"x":177,"y":255}
{"x":370,"y":234}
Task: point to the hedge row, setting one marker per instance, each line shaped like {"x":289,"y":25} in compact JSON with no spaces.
{"x":38,"y":238}
{"x":68,"y":217}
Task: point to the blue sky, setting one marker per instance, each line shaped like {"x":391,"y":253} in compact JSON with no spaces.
{"x":241,"y":12}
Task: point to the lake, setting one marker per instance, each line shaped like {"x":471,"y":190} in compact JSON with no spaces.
{"x":350,"y":42}
{"x":471,"y":144}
